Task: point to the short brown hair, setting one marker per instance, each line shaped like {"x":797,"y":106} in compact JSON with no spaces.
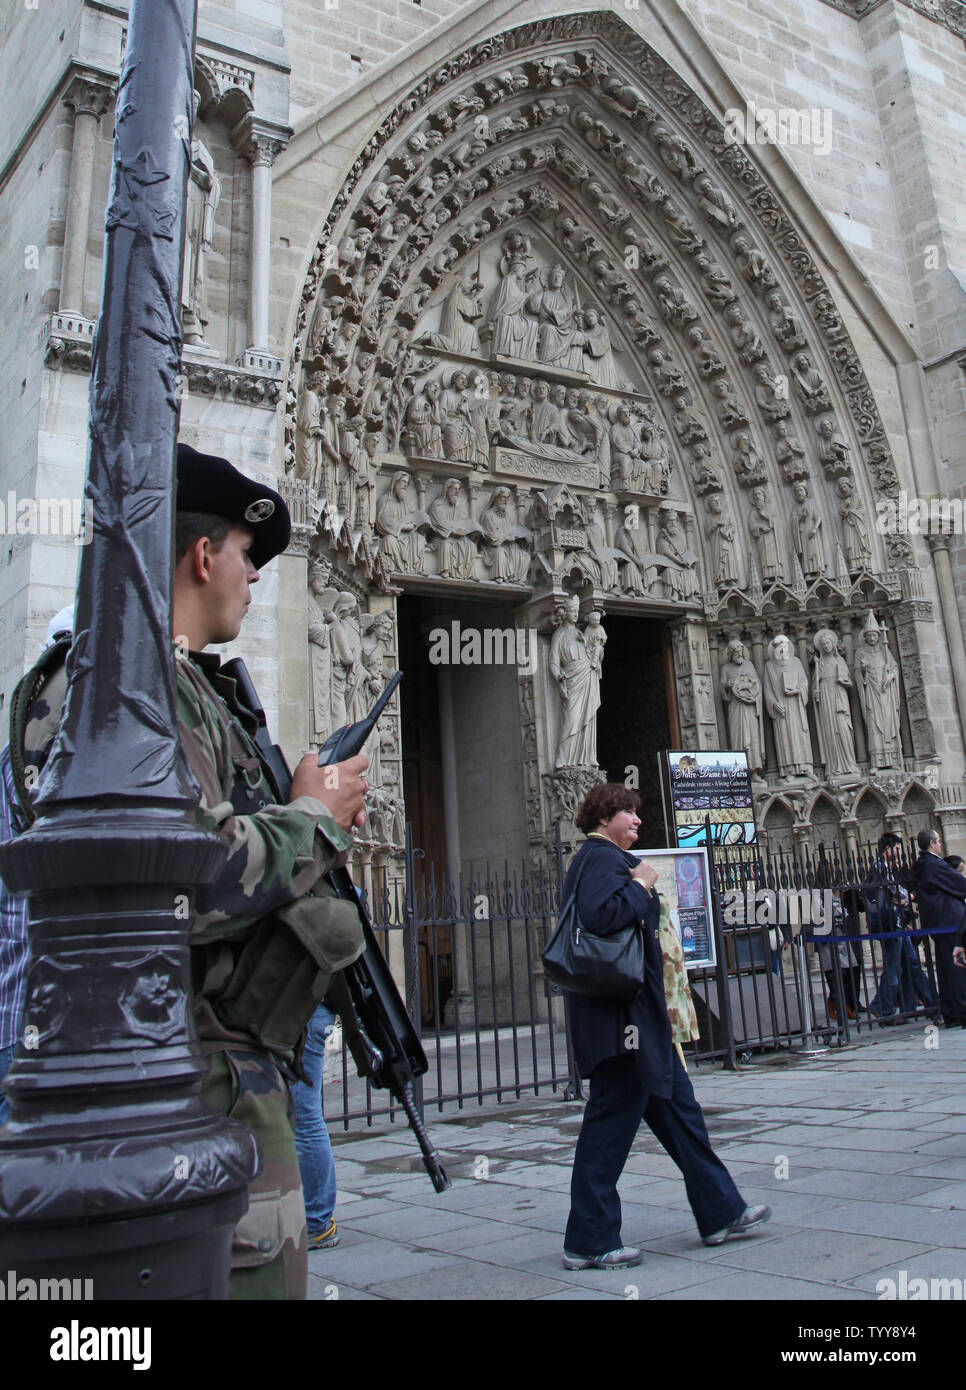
{"x":191,"y":526}
{"x":603,"y":802}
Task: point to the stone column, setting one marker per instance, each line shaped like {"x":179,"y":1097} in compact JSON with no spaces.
{"x":260,"y":142}
{"x":88,"y":98}
{"x":952,"y":621}
{"x":293,"y":645}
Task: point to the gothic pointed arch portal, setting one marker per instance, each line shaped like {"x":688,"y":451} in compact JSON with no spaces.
{"x":559,"y":335}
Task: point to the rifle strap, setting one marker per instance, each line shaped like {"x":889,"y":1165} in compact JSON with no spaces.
{"x":21,"y":703}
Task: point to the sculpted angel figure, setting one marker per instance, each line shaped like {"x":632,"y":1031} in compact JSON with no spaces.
{"x":461,"y":313}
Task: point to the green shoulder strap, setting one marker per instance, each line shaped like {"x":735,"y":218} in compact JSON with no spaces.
{"x":24,"y":696}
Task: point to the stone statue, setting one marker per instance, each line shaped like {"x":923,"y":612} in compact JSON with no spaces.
{"x":578,"y":683}
{"x":789,"y":452}
{"x":310,"y":438}
{"x":785,"y":326}
{"x":345,"y":642}
{"x":741,"y":695}
{"x":877,"y":683}
{"x":786,"y":700}
{"x":806,"y":532}
{"x":514,"y":332}
{"x":422,"y":430}
{"x":204,"y":194}
{"x":559,"y":340}
{"x":598,"y":357}
{"x":832,"y":449}
{"x":459,"y":429}
{"x":730,"y":411}
{"x":721,"y":530}
{"x":595,"y":640}
{"x":831,"y":684}
{"x":457,"y":552}
{"x":376,"y":641}
{"x":505,"y":552}
{"x":638,"y":571}
{"x":810,"y":384}
{"x":625,"y":450}
{"x":771,"y":405}
{"x":680,"y":579}
{"x":402,"y":543}
{"x":762,"y":528}
{"x":461,"y":313}
{"x":320,"y":604}
{"x":855,"y":529}
{"x":747,"y":461}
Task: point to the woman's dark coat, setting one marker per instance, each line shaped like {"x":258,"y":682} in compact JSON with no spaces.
{"x":940,"y":892}
{"x":608,"y":899}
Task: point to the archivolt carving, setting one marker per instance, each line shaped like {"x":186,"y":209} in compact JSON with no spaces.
{"x":551,"y":269}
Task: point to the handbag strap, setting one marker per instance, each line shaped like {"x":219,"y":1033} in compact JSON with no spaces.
{"x":573,"y":892}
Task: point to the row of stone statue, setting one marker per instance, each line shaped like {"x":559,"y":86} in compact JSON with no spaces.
{"x":785,"y":692}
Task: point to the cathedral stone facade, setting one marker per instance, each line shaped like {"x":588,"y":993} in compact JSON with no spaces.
{"x":602,"y":357}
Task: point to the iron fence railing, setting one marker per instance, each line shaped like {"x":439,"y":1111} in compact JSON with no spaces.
{"x":493,"y":1028}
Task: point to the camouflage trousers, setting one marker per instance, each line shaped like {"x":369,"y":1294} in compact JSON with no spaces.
{"x":269,"y":1251}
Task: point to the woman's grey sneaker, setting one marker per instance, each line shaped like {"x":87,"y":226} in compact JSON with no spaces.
{"x":623,"y":1258}
{"x":745,"y":1223}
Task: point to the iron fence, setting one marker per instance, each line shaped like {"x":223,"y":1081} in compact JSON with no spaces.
{"x":493,"y":1027}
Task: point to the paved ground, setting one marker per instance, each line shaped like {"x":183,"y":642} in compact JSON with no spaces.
{"x":860,"y":1152}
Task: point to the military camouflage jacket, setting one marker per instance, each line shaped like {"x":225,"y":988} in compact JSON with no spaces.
{"x":274,"y":855}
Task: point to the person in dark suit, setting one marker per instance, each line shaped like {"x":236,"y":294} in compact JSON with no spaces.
{"x":941,"y":895}
{"x":625,"y":1048}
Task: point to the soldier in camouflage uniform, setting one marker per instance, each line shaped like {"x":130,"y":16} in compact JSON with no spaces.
{"x":228,"y":527}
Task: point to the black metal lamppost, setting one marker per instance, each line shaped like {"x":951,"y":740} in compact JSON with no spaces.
{"x":110,"y":1168}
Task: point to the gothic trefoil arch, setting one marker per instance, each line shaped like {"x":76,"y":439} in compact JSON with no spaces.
{"x":559,"y":336}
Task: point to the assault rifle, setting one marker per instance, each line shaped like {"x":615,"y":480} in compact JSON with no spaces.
{"x":378,"y":1030}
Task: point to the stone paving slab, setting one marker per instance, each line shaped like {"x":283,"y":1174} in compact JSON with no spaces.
{"x":875,"y":1142}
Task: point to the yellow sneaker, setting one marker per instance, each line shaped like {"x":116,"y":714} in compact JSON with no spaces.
{"x":324,"y":1240}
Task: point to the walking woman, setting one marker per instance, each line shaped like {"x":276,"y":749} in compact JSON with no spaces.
{"x":625,"y":1048}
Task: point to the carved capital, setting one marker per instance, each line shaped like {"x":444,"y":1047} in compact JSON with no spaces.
{"x":89,"y":95}
{"x":260,"y":141}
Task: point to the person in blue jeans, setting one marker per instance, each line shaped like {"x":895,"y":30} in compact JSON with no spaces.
{"x":316,"y":1164}
{"x":888,"y":909}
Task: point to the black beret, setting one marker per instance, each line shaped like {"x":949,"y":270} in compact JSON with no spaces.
{"x":207,"y":483}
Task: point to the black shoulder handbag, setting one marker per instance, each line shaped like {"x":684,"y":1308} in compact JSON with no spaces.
{"x":611,"y":967}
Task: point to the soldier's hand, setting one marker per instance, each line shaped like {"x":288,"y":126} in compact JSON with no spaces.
{"x":340,"y":786}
